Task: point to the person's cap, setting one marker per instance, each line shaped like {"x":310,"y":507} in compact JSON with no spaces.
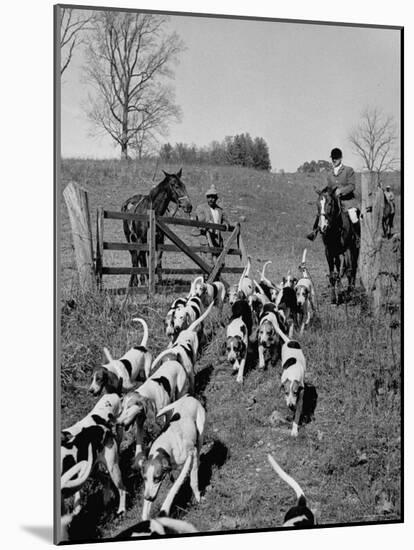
{"x":336,"y":153}
{"x":388,"y":187}
{"x":212,"y":191}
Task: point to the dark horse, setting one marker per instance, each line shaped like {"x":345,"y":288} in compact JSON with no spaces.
{"x":387,"y":218}
{"x":341,"y":247}
{"x":170,"y":189}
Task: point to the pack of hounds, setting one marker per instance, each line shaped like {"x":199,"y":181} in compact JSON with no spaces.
{"x":136,"y":390}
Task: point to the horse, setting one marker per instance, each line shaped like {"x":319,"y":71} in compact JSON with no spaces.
{"x":387,"y":218}
{"x":170,"y":189}
{"x":341,"y":246}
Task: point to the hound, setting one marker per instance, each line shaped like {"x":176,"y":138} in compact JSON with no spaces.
{"x":238,"y":333}
{"x":183,"y":317}
{"x":122,"y":374}
{"x":293,"y":377}
{"x":185,"y":349}
{"x":257,"y":301}
{"x":287,"y":305}
{"x":269,"y":289}
{"x":234,"y":294}
{"x":168,"y":383}
{"x":209,"y":292}
{"x":289,"y":281}
{"x":169,"y":319}
{"x":87,"y":443}
{"x":299,"y":515}
{"x":178,"y":445}
{"x":305,"y":297}
{"x":268,"y":339}
{"x":156,"y":527}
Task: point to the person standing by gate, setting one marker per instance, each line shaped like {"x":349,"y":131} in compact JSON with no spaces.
{"x":211,"y":212}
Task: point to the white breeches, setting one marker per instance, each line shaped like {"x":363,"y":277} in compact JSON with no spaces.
{"x":353,"y":214}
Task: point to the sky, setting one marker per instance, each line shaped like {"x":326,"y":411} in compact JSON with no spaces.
{"x":301,"y":87}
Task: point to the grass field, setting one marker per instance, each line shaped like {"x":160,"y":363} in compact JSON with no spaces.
{"x":347,"y":460}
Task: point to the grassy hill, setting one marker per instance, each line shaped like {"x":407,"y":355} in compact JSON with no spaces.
{"x":347,"y":460}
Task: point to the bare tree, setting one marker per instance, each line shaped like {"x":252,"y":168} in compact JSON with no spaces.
{"x":129,"y":59}
{"x":375,"y":140}
{"x":72,"y":23}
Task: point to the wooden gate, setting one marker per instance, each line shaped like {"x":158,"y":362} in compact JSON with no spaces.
{"x":233,"y":246}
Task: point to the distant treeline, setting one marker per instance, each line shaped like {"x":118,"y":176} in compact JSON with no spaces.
{"x":240,"y":150}
{"x":314,"y":167}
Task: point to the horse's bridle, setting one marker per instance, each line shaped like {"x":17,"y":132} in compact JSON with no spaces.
{"x":323,"y":214}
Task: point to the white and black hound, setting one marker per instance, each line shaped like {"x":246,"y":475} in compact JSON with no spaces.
{"x":89,"y":441}
{"x":122,"y":374}
{"x":169,"y":319}
{"x":299,"y":515}
{"x":164,"y":386}
{"x":157,"y":527}
{"x":268,"y":340}
{"x":238,"y":334}
{"x":305,"y":297}
{"x":208,"y":292}
{"x":293,"y":377}
{"x":184,"y":316}
{"x":179,"y":445}
{"x":185,"y":349}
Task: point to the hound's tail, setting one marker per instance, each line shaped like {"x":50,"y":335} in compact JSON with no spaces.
{"x":177,"y":525}
{"x":198,"y":321}
{"x":246,"y":273}
{"x":289,"y":480}
{"x":76,"y":476}
{"x":108,"y":354}
{"x":304,"y":257}
{"x":258,"y":288}
{"x":145,"y":326}
{"x":171,"y":406}
{"x":262,"y":275}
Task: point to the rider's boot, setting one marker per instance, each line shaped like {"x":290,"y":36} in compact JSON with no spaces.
{"x":356,"y":228}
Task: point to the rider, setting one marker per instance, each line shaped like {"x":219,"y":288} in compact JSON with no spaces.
{"x":341,"y":180}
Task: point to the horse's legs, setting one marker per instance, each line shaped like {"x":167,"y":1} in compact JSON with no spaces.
{"x":142,"y":260}
{"x":332,"y":275}
{"x":133,"y":281}
{"x":159,"y":258}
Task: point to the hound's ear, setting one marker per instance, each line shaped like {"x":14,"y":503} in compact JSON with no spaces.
{"x":119,"y":386}
{"x":180,"y":171}
{"x":165,"y":463}
{"x":150,"y":411}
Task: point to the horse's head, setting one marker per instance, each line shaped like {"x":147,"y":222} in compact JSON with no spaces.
{"x":177,"y":191}
{"x":328,"y":210}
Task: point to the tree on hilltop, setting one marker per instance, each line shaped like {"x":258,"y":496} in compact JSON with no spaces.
{"x":129,"y":59}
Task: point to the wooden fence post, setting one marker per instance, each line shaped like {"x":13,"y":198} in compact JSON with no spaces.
{"x":76,"y":200}
{"x":152,"y":256}
{"x":372,"y":208}
{"x":99,"y":246}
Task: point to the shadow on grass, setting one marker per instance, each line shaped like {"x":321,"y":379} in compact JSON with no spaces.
{"x":215,"y":457}
{"x":202,"y":379}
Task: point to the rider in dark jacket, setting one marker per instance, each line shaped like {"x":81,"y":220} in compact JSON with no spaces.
{"x":341,"y":181}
